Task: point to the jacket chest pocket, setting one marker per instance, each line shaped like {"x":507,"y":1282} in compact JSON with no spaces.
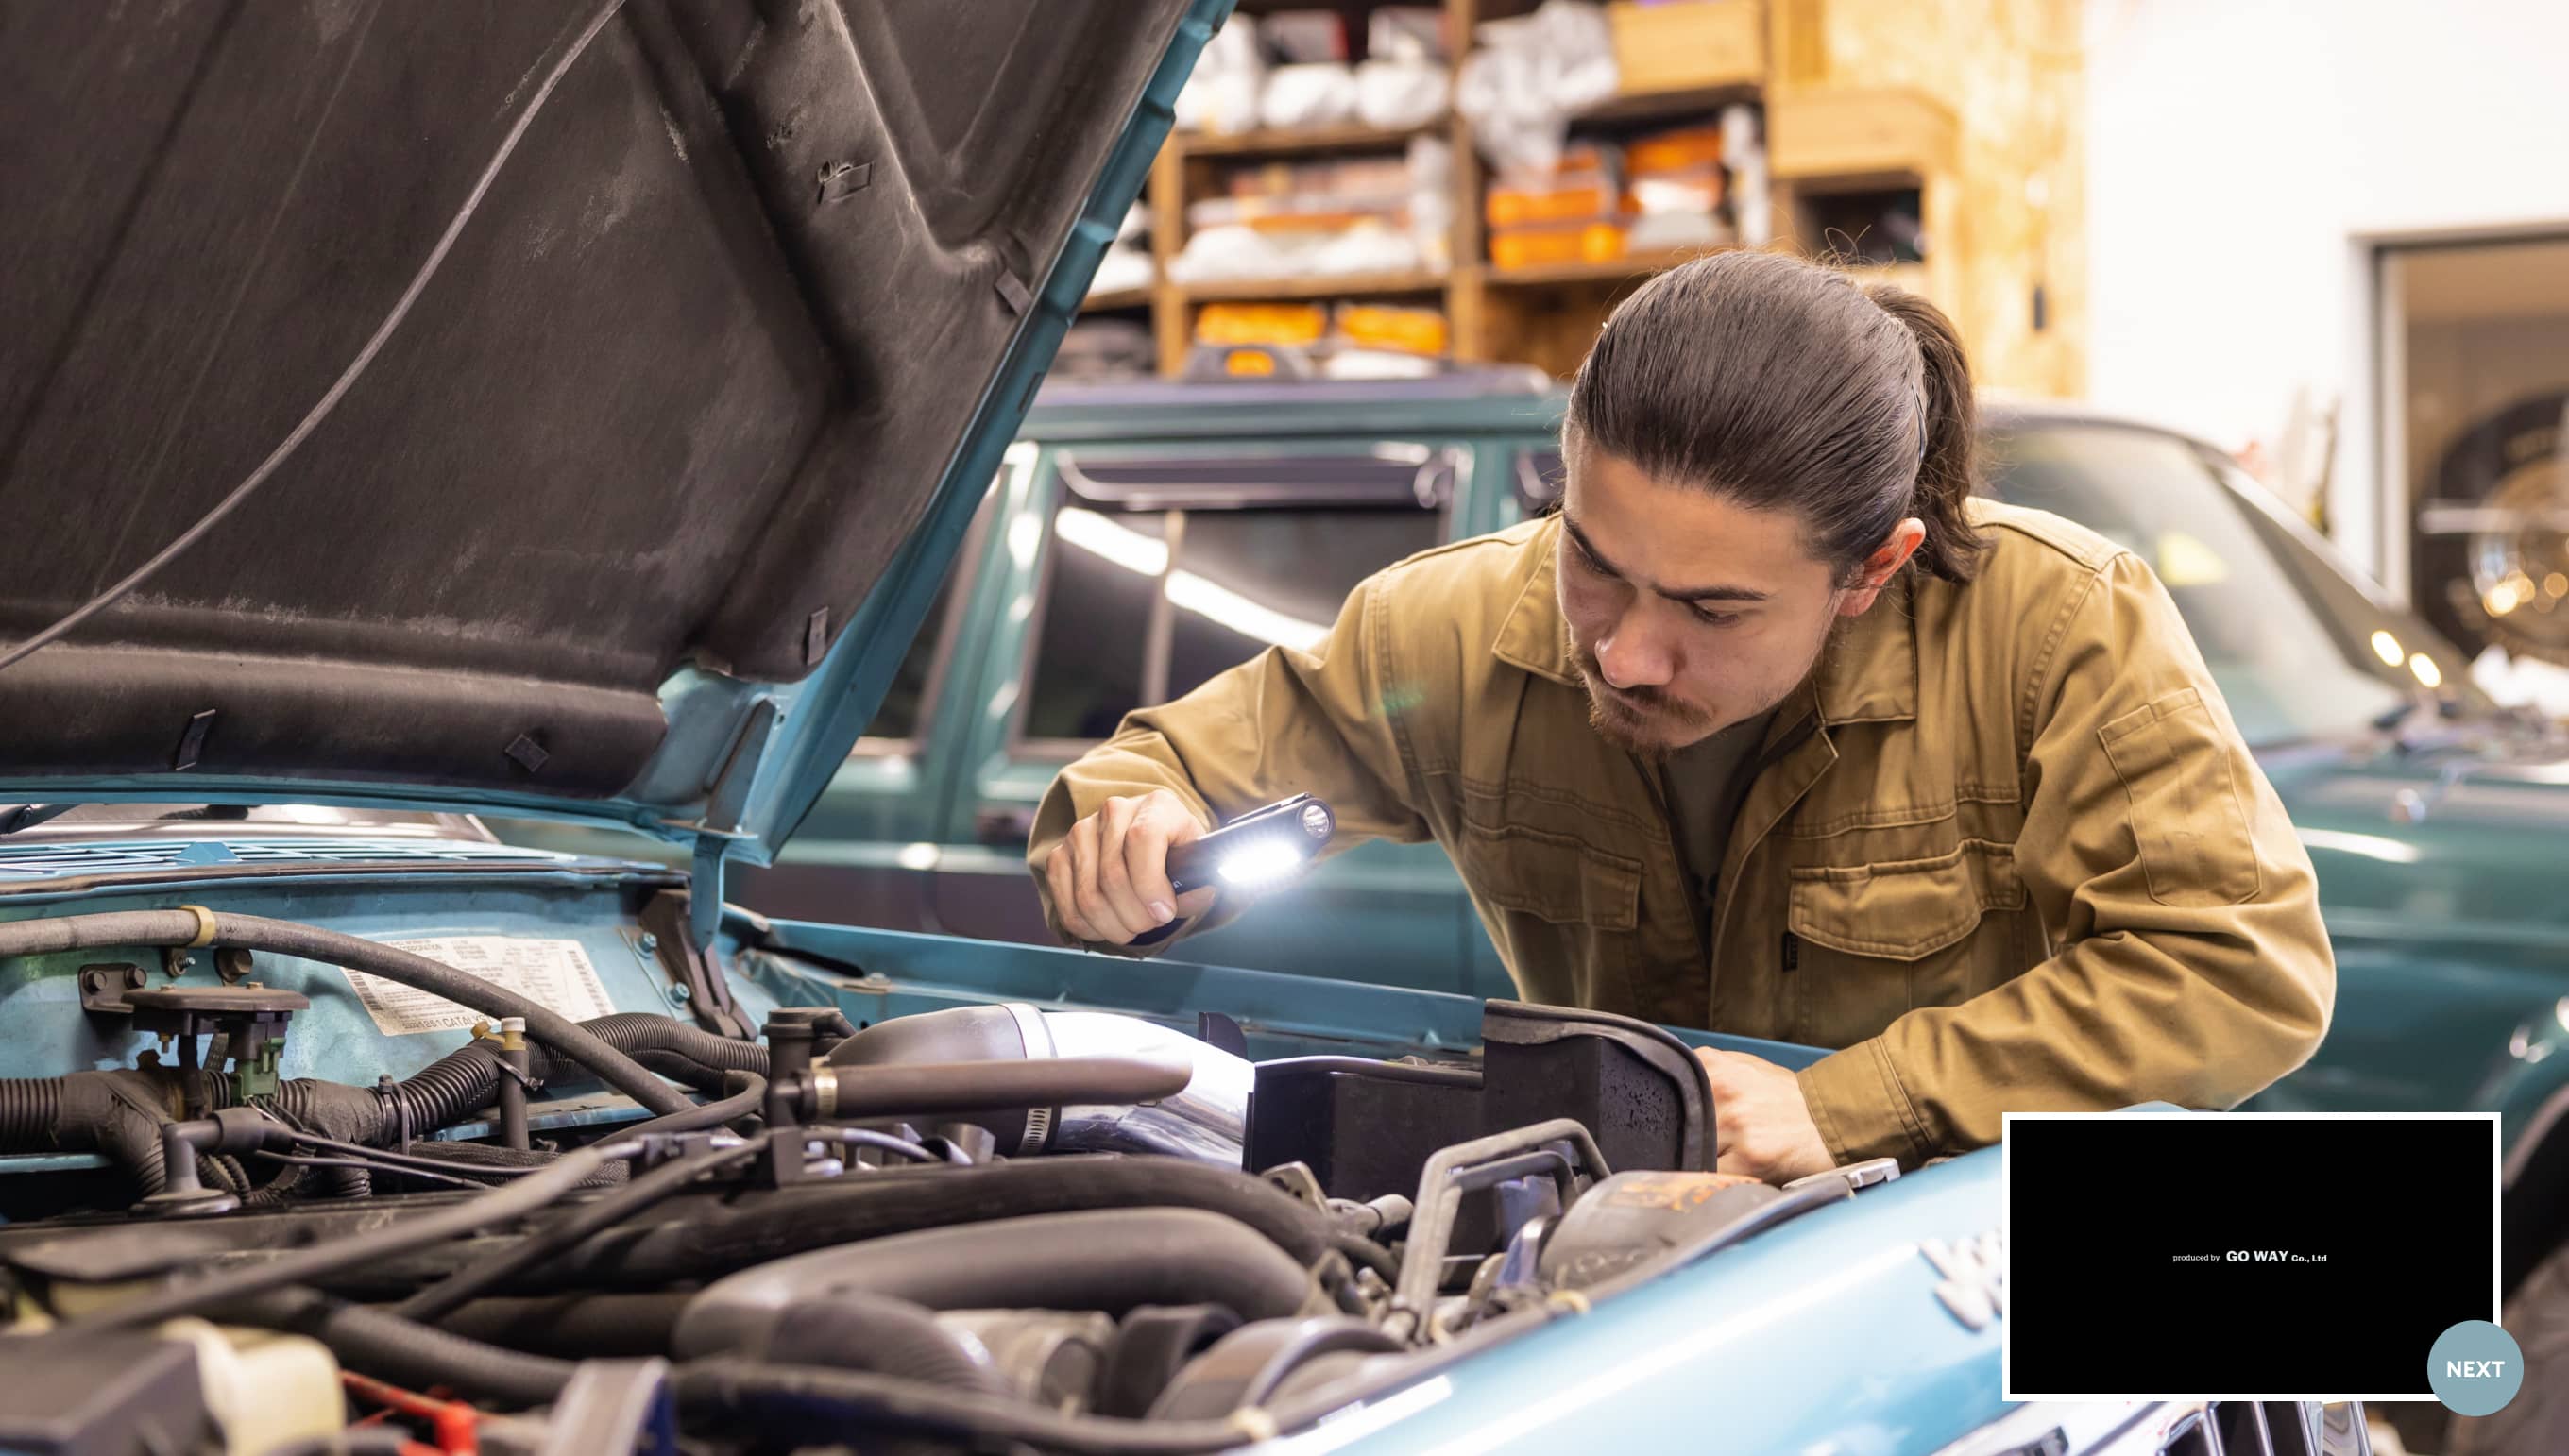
{"x":1561,"y":912}
{"x":1876,"y":940}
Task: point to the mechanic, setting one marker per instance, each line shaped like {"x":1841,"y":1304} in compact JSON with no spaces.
{"x":1775,"y":728}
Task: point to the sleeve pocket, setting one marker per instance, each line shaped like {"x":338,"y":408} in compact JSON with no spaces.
{"x":2180,"y":772}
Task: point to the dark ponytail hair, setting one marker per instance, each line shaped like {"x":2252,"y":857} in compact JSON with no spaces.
{"x":1783,"y":384}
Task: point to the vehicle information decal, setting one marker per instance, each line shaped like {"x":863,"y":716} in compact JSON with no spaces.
{"x":555,"y":974}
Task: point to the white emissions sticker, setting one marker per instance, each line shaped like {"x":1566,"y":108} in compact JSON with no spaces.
{"x":555,"y":974}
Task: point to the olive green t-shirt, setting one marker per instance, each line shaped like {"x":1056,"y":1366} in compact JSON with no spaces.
{"x":1704,"y":783}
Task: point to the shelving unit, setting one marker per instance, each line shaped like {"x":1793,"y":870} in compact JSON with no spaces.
{"x":1830,"y":130}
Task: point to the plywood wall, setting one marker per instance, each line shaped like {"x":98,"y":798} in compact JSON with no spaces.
{"x":2012,"y":75}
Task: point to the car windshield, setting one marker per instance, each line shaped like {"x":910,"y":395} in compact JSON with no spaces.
{"x":2298,"y":651}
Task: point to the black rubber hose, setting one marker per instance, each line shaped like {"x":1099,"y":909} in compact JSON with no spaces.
{"x":636,"y":1032}
{"x":712,"y":1242}
{"x":30,"y":1108}
{"x":1109,"y":1259}
{"x":855,"y":1331}
{"x":786,"y":1403}
{"x":743,"y":1103}
{"x":511,"y":1201}
{"x":635,"y":1196}
{"x":49,"y":934}
{"x":403,"y":1351}
{"x":491,"y":1155}
{"x":607,"y":1326}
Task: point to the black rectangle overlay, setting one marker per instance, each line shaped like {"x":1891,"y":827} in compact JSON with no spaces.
{"x":2233,"y":1256}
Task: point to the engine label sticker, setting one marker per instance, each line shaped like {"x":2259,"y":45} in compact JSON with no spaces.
{"x":555,"y":974}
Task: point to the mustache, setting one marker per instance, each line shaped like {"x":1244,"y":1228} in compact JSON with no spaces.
{"x":1645,"y":699}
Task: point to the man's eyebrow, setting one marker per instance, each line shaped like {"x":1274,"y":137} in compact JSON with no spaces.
{"x":1685,"y":593}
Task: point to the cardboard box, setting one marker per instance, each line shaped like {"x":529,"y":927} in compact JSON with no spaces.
{"x":1689,"y":45}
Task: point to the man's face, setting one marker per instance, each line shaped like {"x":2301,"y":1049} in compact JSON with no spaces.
{"x":1688,"y":612}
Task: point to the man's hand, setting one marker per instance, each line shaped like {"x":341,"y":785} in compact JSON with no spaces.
{"x":1760,"y":1123}
{"x":1109,"y":875}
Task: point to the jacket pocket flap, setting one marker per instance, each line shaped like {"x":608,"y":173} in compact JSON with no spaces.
{"x":1553,"y":876}
{"x":1905,"y":909}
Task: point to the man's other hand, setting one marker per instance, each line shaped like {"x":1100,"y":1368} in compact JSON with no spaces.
{"x":1760,"y":1123}
{"x":1109,"y":876}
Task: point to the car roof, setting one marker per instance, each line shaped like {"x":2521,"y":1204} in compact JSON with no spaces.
{"x":1496,"y":398}
{"x":1472,"y":401}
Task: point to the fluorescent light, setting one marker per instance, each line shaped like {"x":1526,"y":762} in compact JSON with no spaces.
{"x":2370,"y":846}
{"x":2427,"y":673}
{"x":1149,"y":557}
{"x":1229,"y":608}
{"x":2387,"y":648}
{"x":1120,"y":546}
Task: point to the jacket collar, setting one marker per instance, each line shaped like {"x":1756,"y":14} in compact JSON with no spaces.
{"x":1869,"y":674}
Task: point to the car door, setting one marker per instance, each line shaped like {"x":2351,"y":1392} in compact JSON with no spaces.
{"x":1138,"y":570}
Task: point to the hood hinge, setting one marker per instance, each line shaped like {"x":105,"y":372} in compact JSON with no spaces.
{"x":695,"y":972}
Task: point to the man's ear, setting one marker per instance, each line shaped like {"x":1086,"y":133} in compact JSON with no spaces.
{"x":1886,"y":559}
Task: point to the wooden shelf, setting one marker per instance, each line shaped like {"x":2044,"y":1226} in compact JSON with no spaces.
{"x":1116,"y":298}
{"x":1302,"y":139}
{"x":1652,"y":106}
{"x":1637,"y":265}
{"x":1332,"y":285}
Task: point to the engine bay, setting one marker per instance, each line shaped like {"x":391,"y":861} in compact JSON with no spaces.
{"x":991,"y":1227}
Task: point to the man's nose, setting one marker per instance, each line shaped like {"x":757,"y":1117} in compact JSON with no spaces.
{"x":1629,"y":659}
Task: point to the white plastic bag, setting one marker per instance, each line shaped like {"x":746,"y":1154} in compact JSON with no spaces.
{"x":1221,"y":94}
{"x":1297,"y":97}
{"x":1529,"y":76}
{"x":1398,"y":95}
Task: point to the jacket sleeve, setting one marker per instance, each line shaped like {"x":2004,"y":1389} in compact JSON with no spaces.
{"x":1285,"y":722}
{"x":2190,"y":964}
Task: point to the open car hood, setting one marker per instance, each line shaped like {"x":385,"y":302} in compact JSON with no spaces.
{"x":634,"y":514}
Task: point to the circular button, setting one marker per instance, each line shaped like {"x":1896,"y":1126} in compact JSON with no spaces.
{"x":2475,"y":1369}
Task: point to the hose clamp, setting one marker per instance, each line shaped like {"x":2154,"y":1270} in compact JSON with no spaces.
{"x":204,"y":925}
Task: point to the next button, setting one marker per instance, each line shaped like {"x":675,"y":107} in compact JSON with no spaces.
{"x":2475,"y":1369}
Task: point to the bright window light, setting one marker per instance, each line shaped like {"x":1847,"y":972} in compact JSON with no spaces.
{"x":1226,"y":607}
{"x":1147,"y":556}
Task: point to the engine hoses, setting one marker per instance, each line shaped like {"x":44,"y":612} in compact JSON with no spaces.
{"x":199,"y":927}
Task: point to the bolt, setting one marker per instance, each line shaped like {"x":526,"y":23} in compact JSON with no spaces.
{"x":650,"y":943}
{"x":137,"y":978}
{"x":679,"y":994}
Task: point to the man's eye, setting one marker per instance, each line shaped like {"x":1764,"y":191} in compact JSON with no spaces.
{"x":1713,"y":618}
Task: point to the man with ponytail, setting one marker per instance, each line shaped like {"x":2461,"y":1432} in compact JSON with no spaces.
{"x":1774,"y":728}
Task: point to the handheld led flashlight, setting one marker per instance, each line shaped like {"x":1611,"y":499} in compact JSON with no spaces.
{"x":1259,"y":848}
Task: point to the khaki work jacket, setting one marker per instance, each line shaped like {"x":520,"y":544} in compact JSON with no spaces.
{"x":2004,"y":851}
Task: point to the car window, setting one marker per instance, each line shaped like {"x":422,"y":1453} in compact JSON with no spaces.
{"x":1540,"y":476}
{"x":905,"y":704}
{"x":2291,"y":662}
{"x":898,"y":720}
{"x":1164,"y":573}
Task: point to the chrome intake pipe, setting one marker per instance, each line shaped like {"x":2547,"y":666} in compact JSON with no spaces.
{"x":1205,"y":1122}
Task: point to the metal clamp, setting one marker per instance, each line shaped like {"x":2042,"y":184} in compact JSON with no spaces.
{"x":1465,"y":1167}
